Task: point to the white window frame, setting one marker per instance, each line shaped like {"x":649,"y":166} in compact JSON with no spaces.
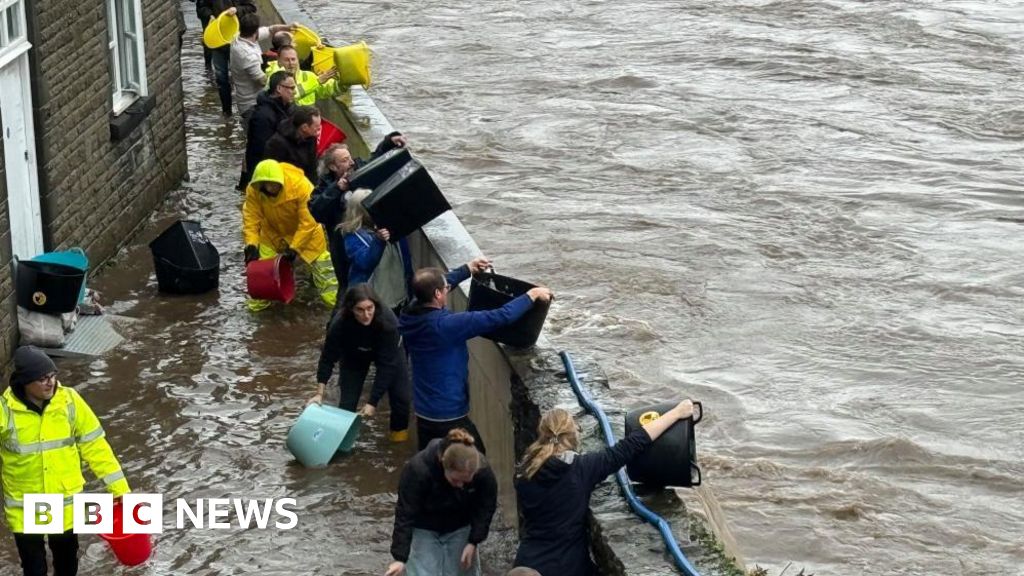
{"x":120,"y":41}
{"x":11,"y":48}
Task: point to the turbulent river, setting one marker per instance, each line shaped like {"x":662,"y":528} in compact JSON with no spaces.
{"x":807,"y":214}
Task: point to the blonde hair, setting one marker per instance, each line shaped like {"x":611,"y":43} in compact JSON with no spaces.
{"x":459,"y":453}
{"x":356,"y":216}
{"x":556,"y":433}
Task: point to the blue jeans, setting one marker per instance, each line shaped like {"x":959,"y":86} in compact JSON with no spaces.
{"x":433,"y":554}
{"x":221,"y":59}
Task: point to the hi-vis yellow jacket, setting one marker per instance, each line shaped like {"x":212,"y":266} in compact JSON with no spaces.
{"x":42,"y":454}
{"x":283,"y":221}
{"x":308,"y":88}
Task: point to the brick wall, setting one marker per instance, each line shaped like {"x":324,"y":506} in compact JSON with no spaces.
{"x":95,"y":192}
{"x":8,"y":329}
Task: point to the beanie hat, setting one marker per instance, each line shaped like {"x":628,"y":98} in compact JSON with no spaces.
{"x":30,"y":364}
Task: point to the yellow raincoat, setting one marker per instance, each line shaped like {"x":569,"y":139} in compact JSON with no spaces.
{"x":283,"y":221}
{"x":42,"y":454}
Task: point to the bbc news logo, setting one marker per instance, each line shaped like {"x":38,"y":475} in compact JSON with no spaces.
{"x":144,"y":514}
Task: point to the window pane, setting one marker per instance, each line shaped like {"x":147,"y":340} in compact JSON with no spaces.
{"x":14,"y":29}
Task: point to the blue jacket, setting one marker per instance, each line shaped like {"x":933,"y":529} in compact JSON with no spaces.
{"x":436,"y":342}
{"x":364,"y":251}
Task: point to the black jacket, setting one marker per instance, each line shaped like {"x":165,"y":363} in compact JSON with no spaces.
{"x":356,"y":346}
{"x":266,"y":117}
{"x":554,"y":504}
{"x":327,"y":202}
{"x":427,"y":501}
{"x":205,"y":9}
{"x":287,"y":146}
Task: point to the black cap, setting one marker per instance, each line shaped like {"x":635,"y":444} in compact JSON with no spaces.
{"x":30,"y":364}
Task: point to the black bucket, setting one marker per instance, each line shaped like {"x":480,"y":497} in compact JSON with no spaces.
{"x":672,"y":459}
{"x":376,"y":171}
{"x":185,"y":260}
{"x":490,"y":291}
{"x":48,"y":287}
{"x":406,"y":201}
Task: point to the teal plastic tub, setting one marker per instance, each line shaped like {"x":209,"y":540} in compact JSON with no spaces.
{"x":74,"y":258}
{"x":321,"y":432}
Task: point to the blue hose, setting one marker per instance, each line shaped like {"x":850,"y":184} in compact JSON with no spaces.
{"x":627,"y":490}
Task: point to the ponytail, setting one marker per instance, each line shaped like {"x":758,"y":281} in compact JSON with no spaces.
{"x":556,"y":433}
{"x":459,"y":453}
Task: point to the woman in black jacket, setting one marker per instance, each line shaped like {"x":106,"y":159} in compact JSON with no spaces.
{"x":446,"y":499}
{"x":364,"y":332}
{"x":554,"y":485}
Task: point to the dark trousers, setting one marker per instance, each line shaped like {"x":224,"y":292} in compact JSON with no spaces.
{"x":427,"y":430}
{"x":351,"y":380}
{"x":32,"y":550}
{"x":339,"y":259}
{"x":221,"y":60}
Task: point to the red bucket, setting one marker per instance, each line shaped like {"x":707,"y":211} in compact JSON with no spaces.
{"x":329,"y":134}
{"x":130,"y":549}
{"x":270,"y":279}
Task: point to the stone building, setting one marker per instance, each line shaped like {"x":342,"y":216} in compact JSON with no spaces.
{"x":93,"y":127}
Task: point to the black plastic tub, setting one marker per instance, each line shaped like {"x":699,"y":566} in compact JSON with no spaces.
{"x":48,"y":287}
{"x":185,"y":260}
{"x":672,"y":459}
{"x":489,"y":291}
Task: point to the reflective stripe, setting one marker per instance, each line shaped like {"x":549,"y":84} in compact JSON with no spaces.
{"x":40,"y":446}
{"x":72,"y":411}
{"x":97,"y":433}
{"x":113,"y":477}
{"x":15,"y":503}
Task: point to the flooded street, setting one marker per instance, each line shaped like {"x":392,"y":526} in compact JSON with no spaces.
{"x":808,"y":214}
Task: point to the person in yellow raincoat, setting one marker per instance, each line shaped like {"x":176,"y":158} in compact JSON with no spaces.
{"x":309,"y":86}
{"x":46,"y":430}
{"x":276,"y":220}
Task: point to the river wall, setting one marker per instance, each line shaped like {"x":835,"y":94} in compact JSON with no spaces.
{"x":510,"y":389}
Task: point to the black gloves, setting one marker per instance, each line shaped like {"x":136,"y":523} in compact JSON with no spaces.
{"x":251,"y":252}
{"x":289,"y":254}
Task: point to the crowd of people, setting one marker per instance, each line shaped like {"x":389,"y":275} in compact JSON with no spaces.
{"x":383,"y":314}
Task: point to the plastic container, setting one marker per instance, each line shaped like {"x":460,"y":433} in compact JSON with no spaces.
{"x":48,"y":287}
{"x":130,"y":549}
{"x":489,"y":291}
{"x":185,"y":260}
{"x":74,"y":257}
{"x":270,"y":279}
{"x":305,"y":40}
{"x":221,"y":31}
{"x":329,"y":134}
{"x":406,"y":201}
{"x":353,"y":64}
{"x":323,"y":59}
{"x":672,"y":459}
{"x":376,"y":171}
{"x":321,"y":432}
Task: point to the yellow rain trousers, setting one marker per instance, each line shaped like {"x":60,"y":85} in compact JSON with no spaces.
{"x":43,"y":453}
{"x":277,"y":223}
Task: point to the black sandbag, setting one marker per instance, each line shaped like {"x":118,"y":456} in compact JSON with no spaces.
{"x":489,"y":291}
{"x":48,"y":287}
{"x":185,"y":260}
{"x":376,"y":171}
{"x":406,"y":201}
{"x":672,"y":459}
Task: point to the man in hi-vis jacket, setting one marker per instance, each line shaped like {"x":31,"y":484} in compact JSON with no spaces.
{"x":46,"y":430}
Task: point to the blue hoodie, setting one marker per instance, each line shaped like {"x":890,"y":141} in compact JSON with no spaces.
{"x":436,"y":341}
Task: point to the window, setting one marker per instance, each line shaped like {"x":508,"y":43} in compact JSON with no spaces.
{"x":127,"y":52}
{"x":12,"y":23}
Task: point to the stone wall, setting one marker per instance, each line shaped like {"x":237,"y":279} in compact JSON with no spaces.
{"x":8,"y":315}
{"x":95,"y":191}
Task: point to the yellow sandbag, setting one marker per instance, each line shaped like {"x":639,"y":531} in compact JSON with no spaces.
{"x":323,"y":59}
{"x":221,"y":31}
{"x":305,"y":41}
{"x":353,"y":64}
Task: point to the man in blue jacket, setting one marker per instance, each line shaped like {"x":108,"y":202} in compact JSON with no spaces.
{"x":435,"y":339}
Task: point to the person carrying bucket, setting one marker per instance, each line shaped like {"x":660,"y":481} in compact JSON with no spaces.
{"x":276,"y":220}
{"x":372,"y":258}
{"x":554,"y":484}
{"x":436,"y":341}
{"x":447,"y":495}
{"x":46,"y":430}
{"x":311,"y":86}
{"x":365,"y":332}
